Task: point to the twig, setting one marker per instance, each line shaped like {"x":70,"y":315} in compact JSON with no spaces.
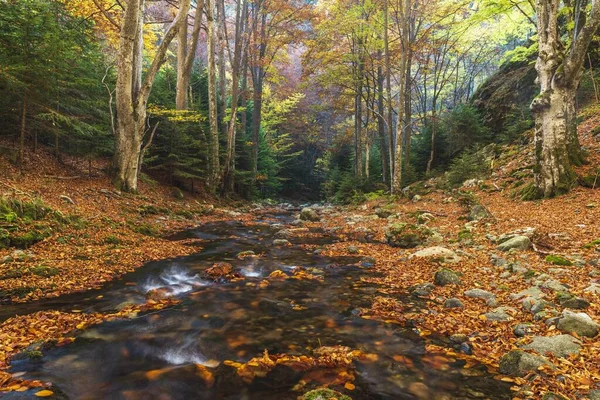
{"x":61,"y":177}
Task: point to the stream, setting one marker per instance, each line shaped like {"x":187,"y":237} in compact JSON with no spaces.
{"x":236,"y":321}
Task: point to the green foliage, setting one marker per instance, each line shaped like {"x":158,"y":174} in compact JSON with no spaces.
{"x":143,"y":228}
{"x":558,"y":260}
{"x":49,"y":60}
{"x":112,"y":240}
{"x":470,"y":164}
{"x":44,"y":271}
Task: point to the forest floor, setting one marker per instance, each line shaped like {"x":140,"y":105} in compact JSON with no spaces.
{"x":495,"y":291}
{"x":486,"y":300}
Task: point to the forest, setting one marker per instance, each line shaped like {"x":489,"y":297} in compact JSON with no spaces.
{"x":299,"y":199}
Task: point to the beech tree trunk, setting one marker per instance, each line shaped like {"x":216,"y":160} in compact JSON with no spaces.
{"x":132,"y":93}
{"x":186,"y":56}
{"x":213,"y":153}
{"x":557,"y":146}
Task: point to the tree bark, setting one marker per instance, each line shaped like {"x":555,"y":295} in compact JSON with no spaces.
{"x":213,"y":167}
{"x":381,"y":127}
{"x":132,"y":94}
{"x":186,"y":57}
{"x":556,"y":142}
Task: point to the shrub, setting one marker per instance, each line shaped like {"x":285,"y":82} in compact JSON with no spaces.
{"x":469,"y":165}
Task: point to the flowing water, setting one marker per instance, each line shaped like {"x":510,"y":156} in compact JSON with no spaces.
{"x":237,"y":321}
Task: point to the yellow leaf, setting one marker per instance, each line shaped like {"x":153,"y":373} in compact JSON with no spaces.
{"x":44,"y":393}
{"x":349,"y":386}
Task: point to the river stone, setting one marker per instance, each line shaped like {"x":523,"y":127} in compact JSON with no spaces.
{"x":480,"y":294}
{"x":579,"y":323}
{"x":159,"y":294}
{"x":593,"y":288}
{"x":281,"y":242}
{"x":560,"y":345}
{"x":478,"y":212}
{"x":518,"y":242}
{"x":308,"y":214}
{"x":520,"y":363}
{"x":437,"y":252}
{"x":445,"y":277}
{"x":353,"y":249}
{"x":453,"y":303}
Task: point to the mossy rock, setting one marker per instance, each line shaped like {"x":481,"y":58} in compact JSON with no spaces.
{"x":407,"y":236}
{"x":593,"y":244}
{"x":44,"y":271}
{"x":558,"y":260}
{"x":324,"y":394}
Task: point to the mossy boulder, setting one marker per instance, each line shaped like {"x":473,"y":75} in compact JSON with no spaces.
{"x":324,"y":394}
{"x":407,"y":236}
{"x":520,"y":363}
{"x":558,"y":260}
{"x":309,"y":214}
{"x":445,"y":277}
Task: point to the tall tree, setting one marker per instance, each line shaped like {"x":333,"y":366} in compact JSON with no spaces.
{"x":186,"y":55}
{"x":132,"y":92}
{"x":559,"y":69}
{"x":213,"y":151}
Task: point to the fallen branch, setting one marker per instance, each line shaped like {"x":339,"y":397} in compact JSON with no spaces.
{"x":61,"y":177}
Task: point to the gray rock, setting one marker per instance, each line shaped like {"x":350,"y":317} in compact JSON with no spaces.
{"x":594,"y":394}
{"x":533,"y":292}
{"x":383,"y":213}
{"x":575,"y":303}
{"x":520,"y":363}
{"x":477,"y":213}
{"x":425,"y":218}
{"x":353,"y":250}
{"x":560,"y":345}
{"x":579,"y":323}
{"x":479,"y":294}
{"x":367,"y":262}
{"x":281,"y":242}
{"x":517,"y":242}
{"x":308,"y":214}
{"x":521,"y":330}
{"x":499,"y":314}
{"x":440,"y":253}
{"x":424,"y":289}
{"x":498,"y":261}
{"x":551,"y":284}
{"x":416,"y":198}
{"x":453,"y":303}
{"x":593,"y":288}
{"x":445,"y":277}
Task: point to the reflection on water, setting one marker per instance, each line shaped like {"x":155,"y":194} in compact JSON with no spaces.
{"x":238,"y":321}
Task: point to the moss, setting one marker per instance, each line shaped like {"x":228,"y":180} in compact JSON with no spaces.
{"x":324,"y":394}
{"x":44,"y":271}
{"x":143,"y":228}
{"x":153,"y":210}
{"x":562,"y":296}
{"x":12,"y":274}
{"x":17,"y":292}
{"x":558,"y":260}
{"x":593,"y":244}
{"x":465,"y":235}
{"x":112,"y":239}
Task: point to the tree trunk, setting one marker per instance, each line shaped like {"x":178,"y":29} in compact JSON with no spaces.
{"x":381,"y":126}
{"x":256,"y":120}
{"x":213,"y":167}
{"x":23,"y":128}
{"x":132,"y":94}
{"x":183,"y":78}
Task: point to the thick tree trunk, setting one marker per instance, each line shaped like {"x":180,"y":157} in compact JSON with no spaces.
{"x":132,"y":94}
{"x":183,"y":77}
{"x":256,"y":120}
{"x":556,"y":143}
{"x":213,"y":167}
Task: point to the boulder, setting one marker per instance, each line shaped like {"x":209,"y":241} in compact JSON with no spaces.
{"x":575,"y":303}
{"x":308,"y":214}
{"x":480,"y":294}
{"x":517,"y":242}
{"x":579,"y":323}
{"x":445,"y":277}
{"x":406,"y":236}
{"x":499,"y":314}
{"x":477,"y":213}
{"x":520,"y":363}
{"x":383,"y":212}
{"x":533,"y":292}
{"x":453,"y":303}
{"x":521,"y":330}
{"x":437,"y":252}
{"x":560,"y":345}
{"x":159,"y":294}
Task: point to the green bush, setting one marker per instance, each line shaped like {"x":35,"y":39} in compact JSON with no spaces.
{"x":469,"y":165}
